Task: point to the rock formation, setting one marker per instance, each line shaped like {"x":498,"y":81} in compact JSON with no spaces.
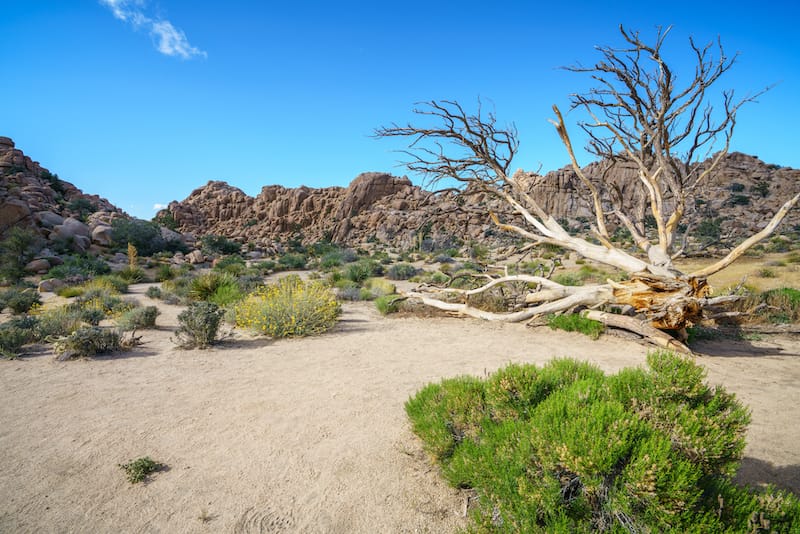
{"x":33,"y":197}
{"x":741,"y":196}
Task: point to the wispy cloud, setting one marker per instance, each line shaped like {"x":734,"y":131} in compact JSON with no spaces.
{"x":158,"y":207}
{"x":169,"y":40}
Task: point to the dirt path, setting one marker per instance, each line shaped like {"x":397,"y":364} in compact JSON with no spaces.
{"x":300,"y":435}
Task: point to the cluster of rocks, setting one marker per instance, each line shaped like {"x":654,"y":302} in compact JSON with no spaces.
{"x":380,"y":207}
{"x":32,"y":197}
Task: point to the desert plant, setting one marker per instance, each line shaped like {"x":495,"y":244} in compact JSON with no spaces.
{"x":153,"y":292}
{"x":233,"y":264}
{"x":138,"y":318}
{"x":19,"y":299}
{"x":293,"y":261}
{"x":359,"y":271}
{"x":387,"y":304}
{"x":401,"y":271}
{"x":57,"y":322}
{"x":379,"y":287}
{"x":111,"y":282}
{"x":565,"y":448}
{"x":78,"y":269}
{"x":199,"y":325}
{"x":217,"y":244}
{"x":87,"y":341}
{"x":164,"y":272}
{"x":16,"y":250}
{"x":206,"y":285}
{"x":289,"y":308}
{"x":12,"y":339}
{"x":140,"y":469}
{"x":574,"y":322}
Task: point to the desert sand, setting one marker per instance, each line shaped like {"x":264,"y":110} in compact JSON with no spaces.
{"x":302,"y":435}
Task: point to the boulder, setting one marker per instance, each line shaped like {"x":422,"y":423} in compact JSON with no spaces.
{"x":39,"y":266}
{"x":51,"y":285}
{"x":195,"y":257}
{"x":101,"y":235}
{"x":70,"y":229}
{"x":48,"y":219}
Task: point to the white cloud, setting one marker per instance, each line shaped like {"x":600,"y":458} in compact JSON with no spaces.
{"x":172,"y":41}
{"x":157,"y":206}
{"x":169,"y":40}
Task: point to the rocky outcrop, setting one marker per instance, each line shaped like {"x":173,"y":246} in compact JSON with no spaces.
{"x":33,"y":197}
{"x":742,"y":194}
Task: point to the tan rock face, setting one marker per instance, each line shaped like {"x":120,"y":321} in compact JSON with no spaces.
{"x":378,"y":206}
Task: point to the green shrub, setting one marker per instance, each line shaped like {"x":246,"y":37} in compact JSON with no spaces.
{"x":140,"y":469}
{"x":70,"y":291}
{"x":234,"y":265}
{"x":144,"y":235}
{"x":138,"y":318}
{"x":12,"y":339}
{"x":564,"y":448}
{"x":164,"y":272}
{"x":199,"y":325}
{"x":401,"y":271}
{"x":387,"y":304}
{"x":154,"y":292}
{"x":568,"y":279}
{"x":205,"y":286}
{"x":226,"y":295}
{"x":78,"y":269}
{"x":20,"y":300}
{"x":16,"y":250}
{"x":573,"y":322}
{"x":57,"y":322}
{"x":88,"y":341}
{"x":217,"y":244}
{"x":289,"y":308}
{"x":379,"y":287}
{"x":112,"y":282}
{"x":132,"y":275}
{"x":359,"y":271}
{"x":293,"y":261}
{"x":775,"y":306}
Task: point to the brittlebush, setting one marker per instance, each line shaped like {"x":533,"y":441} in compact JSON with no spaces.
{"x":289,"y":308}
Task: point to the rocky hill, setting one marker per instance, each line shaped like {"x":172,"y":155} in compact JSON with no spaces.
{"x":742,"y":194}
{"x":33,"y":197}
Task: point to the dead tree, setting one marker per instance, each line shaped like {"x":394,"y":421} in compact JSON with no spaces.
{"x":638,"y":116}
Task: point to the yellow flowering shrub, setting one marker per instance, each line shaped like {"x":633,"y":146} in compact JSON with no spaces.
{"x":289,"y":308}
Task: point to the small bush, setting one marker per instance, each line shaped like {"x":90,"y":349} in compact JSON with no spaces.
{"x":293,"y":261}
{"x":112,"y":282}
{"x":359,"y":271}
{"x":573,"y":322}
{"x":775,"y":306}
{"x":766,"y":272}
{"x":289,"y":308}
{"x":16,"y":250}
{"x":217,"y":244}
{"x":388,"y":304}
{"x":234,"y":265}
{"x":138,"y":318}
{"x":569,"y":279}
{"x":12,"y":339}
{"x":199,"y":325}
{"x":564,"y":448}
{"x":132,"y":275}
{"x":20,"y":300}
{"x":379,"y":287}
{"x":153,"y":292}
{"x":88,"y":341}
{"x":401,"y":271}
{"x":58,"y":322}
{"x":206,"y":285}
{"x":71,"y":291}
{"x":140,"y":469}
{"x":164,"y":272}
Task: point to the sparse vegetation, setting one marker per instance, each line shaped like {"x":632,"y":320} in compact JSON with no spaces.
{"x":16,"y":250}
{"x":402,"y":271}
{"x":564,"y":448}
{"x":136,"y":318}
{"x":139,"y":470}
{"x":19,"y":299}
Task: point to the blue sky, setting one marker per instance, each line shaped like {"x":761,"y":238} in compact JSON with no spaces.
{"x":142,"y":101}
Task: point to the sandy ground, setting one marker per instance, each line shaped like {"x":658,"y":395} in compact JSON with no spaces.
{"x":302,"y":435}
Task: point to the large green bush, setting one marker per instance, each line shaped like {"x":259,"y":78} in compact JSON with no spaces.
{"x":565,"y":448}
